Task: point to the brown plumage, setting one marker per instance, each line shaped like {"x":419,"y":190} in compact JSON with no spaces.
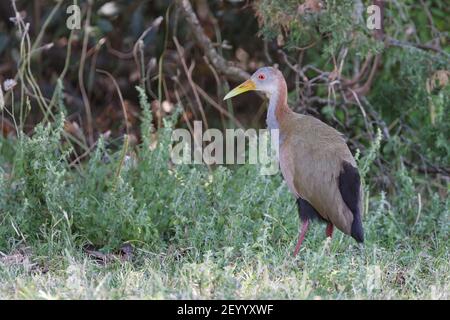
{"x":315,"y":161}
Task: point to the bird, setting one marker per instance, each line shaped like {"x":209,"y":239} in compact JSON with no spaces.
{"x":315,"y":161}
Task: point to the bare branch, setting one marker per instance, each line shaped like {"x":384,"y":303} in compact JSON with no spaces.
{"x":116,"y":85}
{"x":404,"y":44}
{"x":222,"y":65}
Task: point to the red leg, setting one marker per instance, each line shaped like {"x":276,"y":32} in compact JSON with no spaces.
{"x":301,"y":236}
{"x":329,"y":230}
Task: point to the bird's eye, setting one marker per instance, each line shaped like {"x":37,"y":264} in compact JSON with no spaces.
{"x":261,"y":77}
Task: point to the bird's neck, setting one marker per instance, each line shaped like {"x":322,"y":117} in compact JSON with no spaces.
{"x":278,"y":107}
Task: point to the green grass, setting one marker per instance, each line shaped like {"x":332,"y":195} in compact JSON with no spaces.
{"x":324,"y":269}
{"x":227,"y":234}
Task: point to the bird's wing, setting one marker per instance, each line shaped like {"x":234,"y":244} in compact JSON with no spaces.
{"x":311,"y":160}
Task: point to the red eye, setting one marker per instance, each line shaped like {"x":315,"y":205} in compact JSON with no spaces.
{"x":261,"y":77}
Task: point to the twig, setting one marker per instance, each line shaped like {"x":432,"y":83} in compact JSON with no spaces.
{"x":184,"y":93}
{"x":405,"y":44}
{"x":266,"y":52}
{"x":218,"y":86}
{"x":84,"y":94}
{"x":223,"y":66}
{"x":45,"y":25}
{"x":369,"y":129}
{"x":186,"y":119}
{"x":419,"y":210}
{"x":116,"y":85}
{"x":122,"y":161}
{"x":218,"y":107}
{"x":430,"y":168}
{"x":191,"y":82}
{"x":161,"y":79}
{"x":430,"y":18}
{"x":138,"y":47}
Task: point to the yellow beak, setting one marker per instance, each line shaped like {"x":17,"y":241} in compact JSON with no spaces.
{"x":244,"y":87}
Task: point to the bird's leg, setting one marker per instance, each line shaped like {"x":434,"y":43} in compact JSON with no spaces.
{"x":301,"y":236}
{"x":329,"y":230}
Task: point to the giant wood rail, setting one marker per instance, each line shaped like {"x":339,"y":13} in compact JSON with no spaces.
{"x":315,"y":161}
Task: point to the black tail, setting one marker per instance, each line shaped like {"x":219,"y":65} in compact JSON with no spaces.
{"x":350,"y":188}
{"x":306,"y":211}
{"x":357,"y":229}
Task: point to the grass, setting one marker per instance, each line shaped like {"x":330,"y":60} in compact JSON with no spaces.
{"x":323,"y":269}
{"x":196,"y":234}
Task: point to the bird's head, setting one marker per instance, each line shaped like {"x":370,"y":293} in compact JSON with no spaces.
{"x":264,"y":79}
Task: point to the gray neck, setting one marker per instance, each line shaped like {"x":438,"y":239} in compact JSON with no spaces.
{"x":271,"y":120}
